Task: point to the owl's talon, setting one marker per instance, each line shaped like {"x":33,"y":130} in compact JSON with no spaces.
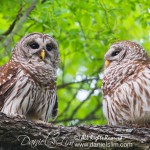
{"x":49,"y":124}
{"x":16,"y":116}
{"x":21,"y":116}
{"x":43,"y":123}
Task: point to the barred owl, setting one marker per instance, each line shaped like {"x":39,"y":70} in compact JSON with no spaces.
{"x":126,"y":85}
{"x":28,"y":80}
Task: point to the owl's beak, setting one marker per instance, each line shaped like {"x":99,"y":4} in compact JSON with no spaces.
{"x":107,"y":63}
{"x":42,"y":54}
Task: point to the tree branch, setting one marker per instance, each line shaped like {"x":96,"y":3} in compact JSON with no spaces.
{"x":16,"y":133}
{"x":11,"y":27}
{"x":19,"y":25}
{"x":77,"y":119}
{"x":76,"y":82}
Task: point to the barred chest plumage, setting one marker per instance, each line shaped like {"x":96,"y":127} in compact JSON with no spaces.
{"x":30,"y":98}
{"x":28,"y":80}
{"x":127,"y":93}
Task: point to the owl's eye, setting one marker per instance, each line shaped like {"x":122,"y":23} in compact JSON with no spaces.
{"x":115,"y":53}
{"x":49,"y":47}
{"x":34,"y":45}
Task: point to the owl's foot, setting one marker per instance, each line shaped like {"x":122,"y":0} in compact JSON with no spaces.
{"x":16,"y":116}
{"x":43,"y":123}
{"x":20,"y":116}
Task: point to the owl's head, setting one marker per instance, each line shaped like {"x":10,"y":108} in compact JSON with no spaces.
{"x":36,"y":48}
{"x":124,"y":51}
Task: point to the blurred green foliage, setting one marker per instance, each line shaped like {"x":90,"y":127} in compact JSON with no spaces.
{"x":84,"y":29}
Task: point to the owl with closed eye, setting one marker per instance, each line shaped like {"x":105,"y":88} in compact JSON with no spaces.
{"x":28,"y":80}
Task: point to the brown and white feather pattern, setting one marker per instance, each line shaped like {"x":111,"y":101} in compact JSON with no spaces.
{"x":126,"y":85}
{"x":28,"y":83}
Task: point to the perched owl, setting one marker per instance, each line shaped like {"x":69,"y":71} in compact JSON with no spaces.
{"x":126,"y":84}
{"x":28,"y":80}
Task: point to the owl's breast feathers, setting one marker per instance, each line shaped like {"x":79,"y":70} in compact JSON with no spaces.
{"x":8,"y":79}
{"x":127,"y":98}
{"x":119,"y":74}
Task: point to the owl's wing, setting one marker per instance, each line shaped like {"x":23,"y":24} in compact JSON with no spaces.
{"x":142,"y":88}
{"x":132,"y":98}
{"x":1,"y":68}
{"x":7,"y":80}
{"x":55,"y":109}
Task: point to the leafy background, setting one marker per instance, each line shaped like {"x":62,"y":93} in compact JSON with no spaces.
{"x":84,"y":30}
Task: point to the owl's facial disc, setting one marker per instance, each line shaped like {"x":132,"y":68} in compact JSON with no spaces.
{"x":37,"y":50}
{"x":114,"y":54}
{"x":44,"y":49}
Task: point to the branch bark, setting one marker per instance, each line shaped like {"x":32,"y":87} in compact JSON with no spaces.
{"x":76,"y":82}
{"x":17,"y":133}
